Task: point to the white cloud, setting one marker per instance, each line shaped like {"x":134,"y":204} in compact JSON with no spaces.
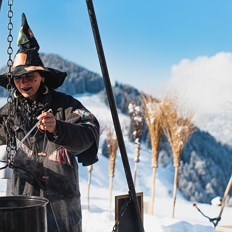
{"x":206,"y":82}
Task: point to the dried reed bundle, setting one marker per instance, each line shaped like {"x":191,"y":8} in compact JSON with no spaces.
{"x":152,"y":116}
{"x":90,"y":167}
{"x":178,"y":127}
{"x":136,"y":117}
{"x":112,"y":148}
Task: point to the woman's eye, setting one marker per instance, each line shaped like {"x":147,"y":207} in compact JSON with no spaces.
{"x":30,"y":76}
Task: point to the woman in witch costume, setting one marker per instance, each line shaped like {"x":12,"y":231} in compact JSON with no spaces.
{"x":67,"y":132}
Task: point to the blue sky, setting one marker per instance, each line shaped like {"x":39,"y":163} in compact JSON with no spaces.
{"x":142,"y":39}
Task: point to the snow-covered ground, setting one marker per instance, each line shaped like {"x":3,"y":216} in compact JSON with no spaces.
{"x":97,"y":215}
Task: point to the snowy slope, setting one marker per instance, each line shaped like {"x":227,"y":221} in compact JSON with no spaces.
{"x":187,"y":218}
{"x":99,"y":218}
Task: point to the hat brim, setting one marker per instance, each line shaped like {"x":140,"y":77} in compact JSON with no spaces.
{"x":53,"y":77}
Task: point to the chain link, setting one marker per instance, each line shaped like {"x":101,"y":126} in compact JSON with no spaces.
{"x":10,"y":141}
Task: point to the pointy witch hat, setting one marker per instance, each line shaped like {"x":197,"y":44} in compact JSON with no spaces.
{"x":27,"y":60}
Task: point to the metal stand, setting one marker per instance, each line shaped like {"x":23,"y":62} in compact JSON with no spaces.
{"x":114,"y":113}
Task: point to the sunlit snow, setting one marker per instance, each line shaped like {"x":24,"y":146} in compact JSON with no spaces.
{"x":97,"y":217}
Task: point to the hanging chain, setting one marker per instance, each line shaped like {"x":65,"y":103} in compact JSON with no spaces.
{"x":10,"y":40}
{"x":10,"y":142}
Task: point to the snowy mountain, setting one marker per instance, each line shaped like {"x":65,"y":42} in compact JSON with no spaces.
{"x":210,"y":145}
{"x":96,"y":214}
{"x":205,"y":160}
{"x":218,"y":125}
{"x":205,"y":167}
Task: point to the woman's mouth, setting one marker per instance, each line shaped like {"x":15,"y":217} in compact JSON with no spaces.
{"x":25,"y":89}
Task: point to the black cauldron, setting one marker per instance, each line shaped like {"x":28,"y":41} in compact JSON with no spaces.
{"x":23,"y":214}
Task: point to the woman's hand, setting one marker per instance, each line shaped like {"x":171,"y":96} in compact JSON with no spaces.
{"x":47,"y":122}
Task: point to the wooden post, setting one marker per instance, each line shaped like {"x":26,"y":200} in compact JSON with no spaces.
{"x":175,"y":189}
{"x":0,"y":4}
{"x":229,"y":185}
{"x":114,"y":112}
{"x":151,"y":202}
{"x":90,"y":169}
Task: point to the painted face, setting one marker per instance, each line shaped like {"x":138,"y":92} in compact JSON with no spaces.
{"x":29,"y":84}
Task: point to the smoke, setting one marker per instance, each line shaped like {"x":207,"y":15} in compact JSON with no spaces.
{"x":205,"y":82}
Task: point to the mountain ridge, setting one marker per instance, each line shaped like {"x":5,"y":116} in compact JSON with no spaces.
{"x":203,"y":152}
{"x":78,"y":81}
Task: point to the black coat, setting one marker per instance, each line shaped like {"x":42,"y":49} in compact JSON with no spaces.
{"x":46,"y":163}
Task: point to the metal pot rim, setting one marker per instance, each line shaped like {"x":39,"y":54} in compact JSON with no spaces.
{"x":39,"y":202}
